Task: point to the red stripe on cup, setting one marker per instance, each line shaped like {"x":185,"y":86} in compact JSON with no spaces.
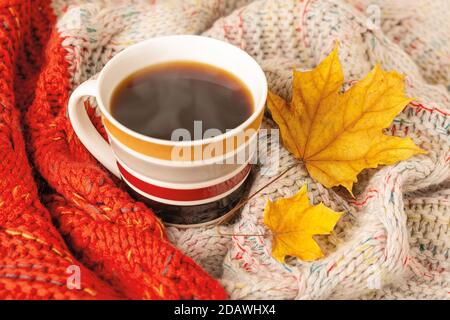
{"x":185,"y":194}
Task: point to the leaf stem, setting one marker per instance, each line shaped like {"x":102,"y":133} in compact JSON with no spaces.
{"x":229,"y":215}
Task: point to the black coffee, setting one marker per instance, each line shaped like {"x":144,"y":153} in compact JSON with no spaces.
{"x":160,"y":99}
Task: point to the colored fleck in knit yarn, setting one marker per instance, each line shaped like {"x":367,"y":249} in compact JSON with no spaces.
{"x":393,"y":243}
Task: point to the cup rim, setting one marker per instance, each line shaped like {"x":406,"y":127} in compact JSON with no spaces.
{"x":259,"y":106}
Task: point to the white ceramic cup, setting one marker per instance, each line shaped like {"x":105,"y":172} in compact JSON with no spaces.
{"x":147,"y":164}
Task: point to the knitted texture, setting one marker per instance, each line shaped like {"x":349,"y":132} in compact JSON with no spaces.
{"x":376,"y":246}
{"x":33,"y":256}
{"x":120,"y":240}
{"x":420,"y":30}
{"x":392,"y":243}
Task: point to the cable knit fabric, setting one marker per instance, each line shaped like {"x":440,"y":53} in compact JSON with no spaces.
{"x":421,"y":30}
{"x":392,"y":243}
{"x":118,"y":239}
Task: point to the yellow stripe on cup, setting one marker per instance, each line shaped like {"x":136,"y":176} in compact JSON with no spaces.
{"x":188,"y":153}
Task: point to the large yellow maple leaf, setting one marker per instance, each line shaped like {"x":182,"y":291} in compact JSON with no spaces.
{"x":338,"y":135}
{"x":294,"y":222}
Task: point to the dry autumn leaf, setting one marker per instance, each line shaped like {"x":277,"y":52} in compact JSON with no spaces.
{"x":294,"y":222}
{"x":339,"y":135}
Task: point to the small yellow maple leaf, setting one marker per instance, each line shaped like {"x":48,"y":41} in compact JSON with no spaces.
{"x":339,"y":135}
{"x":294,"y":222}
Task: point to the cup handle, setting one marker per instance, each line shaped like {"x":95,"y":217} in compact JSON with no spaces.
{"x":86,"y":131}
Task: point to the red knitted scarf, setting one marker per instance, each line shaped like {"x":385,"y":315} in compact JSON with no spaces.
{"x":69,"y":219}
